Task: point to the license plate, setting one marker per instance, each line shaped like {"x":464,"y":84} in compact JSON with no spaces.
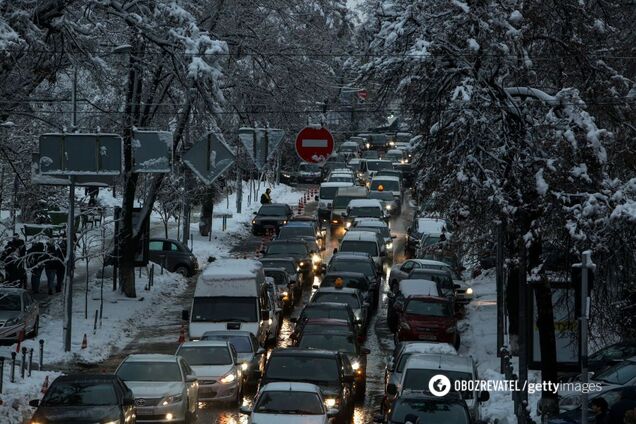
{"x":427,"y":337}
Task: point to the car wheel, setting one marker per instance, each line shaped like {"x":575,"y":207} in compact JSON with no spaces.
{"x":361,"y":391}
{"x":457,"y":342}
{"x":183,"y":270}
{"x":239,"y":396}
{"x":36,"y":328}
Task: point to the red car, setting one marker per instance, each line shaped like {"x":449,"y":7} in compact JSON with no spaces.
{"x":427,"y":318}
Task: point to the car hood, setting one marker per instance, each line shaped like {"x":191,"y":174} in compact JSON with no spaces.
{"x":245,"y":356}
{"x":287,"y":419}
{"x":269,"y":218}
{"x":427,"y":321}
{"x":152,"y":389}
{"x":76,"y":414}
{"x":203,"y":371}
{"x":5,"y":315}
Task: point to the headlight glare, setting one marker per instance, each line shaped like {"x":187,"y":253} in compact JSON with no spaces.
{"x":170,"y":399}
{"x":228,"y":378}
{"x":469,"y":290}
{"x":355,"y":365}
{"x":330,"y":402}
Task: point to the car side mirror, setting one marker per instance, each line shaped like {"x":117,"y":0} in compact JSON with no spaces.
{"x":293,"y":319}
{"x":265,"y":314}
{"x":34,"y":403}
{"x":332,"y":412}
{"x":254,"y":213}
{"x":316,"y":198}
{"x":185,"y":315}
{"x":245,"y":410}
{"x":391,"y":389}
{"x":457,"y":286}
{"x":348,"y":378}
{"x":260,"y":351}
{"x":365,"y":351}
{"x":393,"y":236}
{"x":191,"y":378}
{"x":484,"y":396}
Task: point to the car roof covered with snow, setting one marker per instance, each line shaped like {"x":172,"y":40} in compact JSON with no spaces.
{"x":204,"y":343}
{"x":428,"y":347}
{"x":418,"y":287}
{"x":232,"y":269}
{"x":291,"y":387}
{"x":151,"y":357}
{"x":365,"y":203}
{"x":440,"y":362}
{"x":430,"y":225}
{"x":381,"y":178}
{"x":361,"y":236}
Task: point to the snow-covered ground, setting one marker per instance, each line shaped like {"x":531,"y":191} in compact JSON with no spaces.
{"x":119,"y":313}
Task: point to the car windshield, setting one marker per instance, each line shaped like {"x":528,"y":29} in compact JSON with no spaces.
{"x":10,"y":302}
{"x":149,"y":371}
{"x":430,"y":226}
{"x":206,"y":355}
{"x":365,"y":267}
{"x":334,"y":313}
{"x":368,"y":247}
{"x":278,"y":277}
{"x":429,"y":412}
{"x":370,"y":154}
{"x":426,"y":308}
{"x":300,"y":231}
{"x":287,"y":248}
{"x":308,"y":167}
{"x":381,"y":195}
{"x":328,"y":193}
{"x":389,"y":185}
{"x":340,"y":178}
{"x":351,"y":282}
{"x":80,"y":394}
{"x":341,"y":202}
{"x":384,"y":231}
{"x":289,"y":402}
{"x":272,"y":210}
{"x":619,"y":374}
{"x":393,"y":156}
{"x":302,"y":368}
{"x":430,"y":240}
{"x":417,"y":379}
{"x":224,"y":309}
{"x":348,"y":298}
{"x":370,"y":211}
{"x":241,"y":343}
{"x":338,"y":342}
{"x":376,"y":165}
{"x":349,"y":148}
{"x":288,"y":266}
{"x":444,"y":281}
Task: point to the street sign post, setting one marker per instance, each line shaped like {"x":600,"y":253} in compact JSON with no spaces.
{"x":314,"y":145}
{"x":152,"y":152}
{"x":209,"y":158}
{"x":261,"y":143}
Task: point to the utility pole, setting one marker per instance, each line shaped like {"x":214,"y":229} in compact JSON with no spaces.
{"x":239,"y":179}
{"x":586,"y":266}
{"x":500,"y":288}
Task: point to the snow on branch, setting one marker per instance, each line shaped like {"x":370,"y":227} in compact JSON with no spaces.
{"x":533,"y":92}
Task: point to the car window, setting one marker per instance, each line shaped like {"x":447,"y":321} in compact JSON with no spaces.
{"x":431,"y":309}
{"x":337,"y":342}
{"x":302,"y":368}
{"x":173,"y":247}
{"x":429,"y":412}
{"x":155,"y":245}
{"x":149,"y":371}
{"x":224,"y":309}
{"x":366,"y":268}
{"x":10,"y":302}
{"x":273,"y":210}
{"x":368,"y":247}
{"x":80,"y":394}
{"x":289,"y":402}
{"x":348,"y":298}
{"x":205,"y":355}
{"x":241,"y":343}
{"x":335,"y":313}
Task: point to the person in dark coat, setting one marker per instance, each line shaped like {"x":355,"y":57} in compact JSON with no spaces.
{"x":35,"y":262}
{"x":50,"y":266}
{"x":10,"y":259}
{"x":599,"y":409}
{"x":266,"y":198}
{"x":627,"y":403}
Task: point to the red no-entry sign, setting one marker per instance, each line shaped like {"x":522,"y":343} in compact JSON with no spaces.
{"x":314,"y":145}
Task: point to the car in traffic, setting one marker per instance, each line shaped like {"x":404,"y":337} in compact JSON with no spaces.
{"x":95,"y":398}
{"x":250,"y":354}
{"x":287,"y":402}
{"x":344,"y":196}
{"x":217,"y":368}
{"x":284,"y":291}
{"x":341,"y":176}
{"x":396,"y":156}
{"x":305,"y":230}
{"x":290,"y":265}
{"x":390,"y":204}
{"x":429,"y":318}
{"x":376,"y":225}
{"x":422,"y":226}
{"x":339,"y":311}
{"x":426,"y":408}
{"x":19,"y":314}
{"x":350,"y":149}
{"x":173,"y":256}
{"x":308,"y":173}
{"x":353,"y":280}
{"x":371,"y":166}
{"x":392,"y":185}
{"x":271,"y":217}
{"x":420,"y":368}
{"x":358,"y":262}
{"x":441,"y":276}
{"x":164,"y":386}
{"x":326,"y":194}
{"x":366,"y":242}
{"x":463,"y":293}
{"x":363,"y":208}
{"x":351,"y":297}
{"x":325,"y":339}
{"x":306,"y":259}
{"x":329,"y":370}
{"x":402,"y":291}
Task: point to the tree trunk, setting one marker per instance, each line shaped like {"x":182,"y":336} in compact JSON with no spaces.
{"x":547,"y":343}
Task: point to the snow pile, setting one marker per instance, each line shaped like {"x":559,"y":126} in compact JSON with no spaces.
{"x":16,"y":396}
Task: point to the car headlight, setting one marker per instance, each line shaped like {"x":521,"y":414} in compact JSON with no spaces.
{"x":388,"y":207}
{"x":469,"y":290}
{"x":253,"y":221}
{"x":330,"y":402}
{"x":368,"y":145}
{"x":228,"y":378}
{"x":284,"y":294}
{"x":316,"y":259}
{"x":301,"y":263}
{"x":389,"y":245}
{"x":348,"y":225}
{"x":171,"y":399}
{"x":117,"y":421}
{"x":284,"y":222}
{"x":245,"y":366}
{"x":355,"y":365}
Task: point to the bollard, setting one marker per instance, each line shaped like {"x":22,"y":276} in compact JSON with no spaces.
{"x":163,"y":264}
{"x":23,"y":363}
{"x":30,"y":361}
{"x":1,"y":372}
{"x":41,"y":360}
{"x":151,"y":279}
{"x":12,"y":375}
{"x":95,"y":322}
{"x":139,"y":272}
{"x":191,"y":242}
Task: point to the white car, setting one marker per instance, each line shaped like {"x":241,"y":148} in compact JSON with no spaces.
{"x":164,"y":386}
{"x":217,"y":368}
{"x":289,"y":403}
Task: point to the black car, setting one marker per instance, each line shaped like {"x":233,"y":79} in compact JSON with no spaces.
{"x":329,"y":370}
{"x":325,"y":310}
{"x":173,"y":255}
{"x":358,"y":262}
{"x":87,"y":398}
{"x":611,"y":355}
{"x":442,"y":277}
{"x":295,"y":248}
{"x":284,"y":289}
{"x":425,"y":408}
{"x":271,"y":217}
{"x":353,"y":280}
{"x":305,"y":229}
{"x":290,"y":265}
{"x":250,"y":354}
{"x":309,"y":173}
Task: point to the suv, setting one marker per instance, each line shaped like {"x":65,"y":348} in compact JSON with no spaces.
{"x":426,"y":408}
{"x":308,"y":173}
{"x":249,"y":354}
{"x":429,"y":318}
{"x":325,"y":198}
{"x":352,"y":297}
{"x":422,"y":226}
{"x":367,"y":242}
{"x":329,"y":370}
{"x":271,"y":217}
{"x":339,"y":311}
{"x":358,"y":262}
{"x":364,"y":208}
{"x":173,"y":256}
{"x":291,"y":268}
{"x":295,"y":248}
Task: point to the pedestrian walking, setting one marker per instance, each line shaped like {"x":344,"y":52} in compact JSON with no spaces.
{"x":10,"y":259}
{"x":50,"y":266}
{"x":266,"y":198}
{"x":600,"y":410}
{"x":619,"y":410}
{"x":35,"y":262}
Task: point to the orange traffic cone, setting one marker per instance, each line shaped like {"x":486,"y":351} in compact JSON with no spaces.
{"x":84,"y":342}
{"x":182,"y":334}
{"x":20,"y":340}
{"x":45,"y":385}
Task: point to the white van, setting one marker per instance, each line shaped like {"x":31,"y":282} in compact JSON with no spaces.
{"x":231,"y":295}
{"x":325,"y":198}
